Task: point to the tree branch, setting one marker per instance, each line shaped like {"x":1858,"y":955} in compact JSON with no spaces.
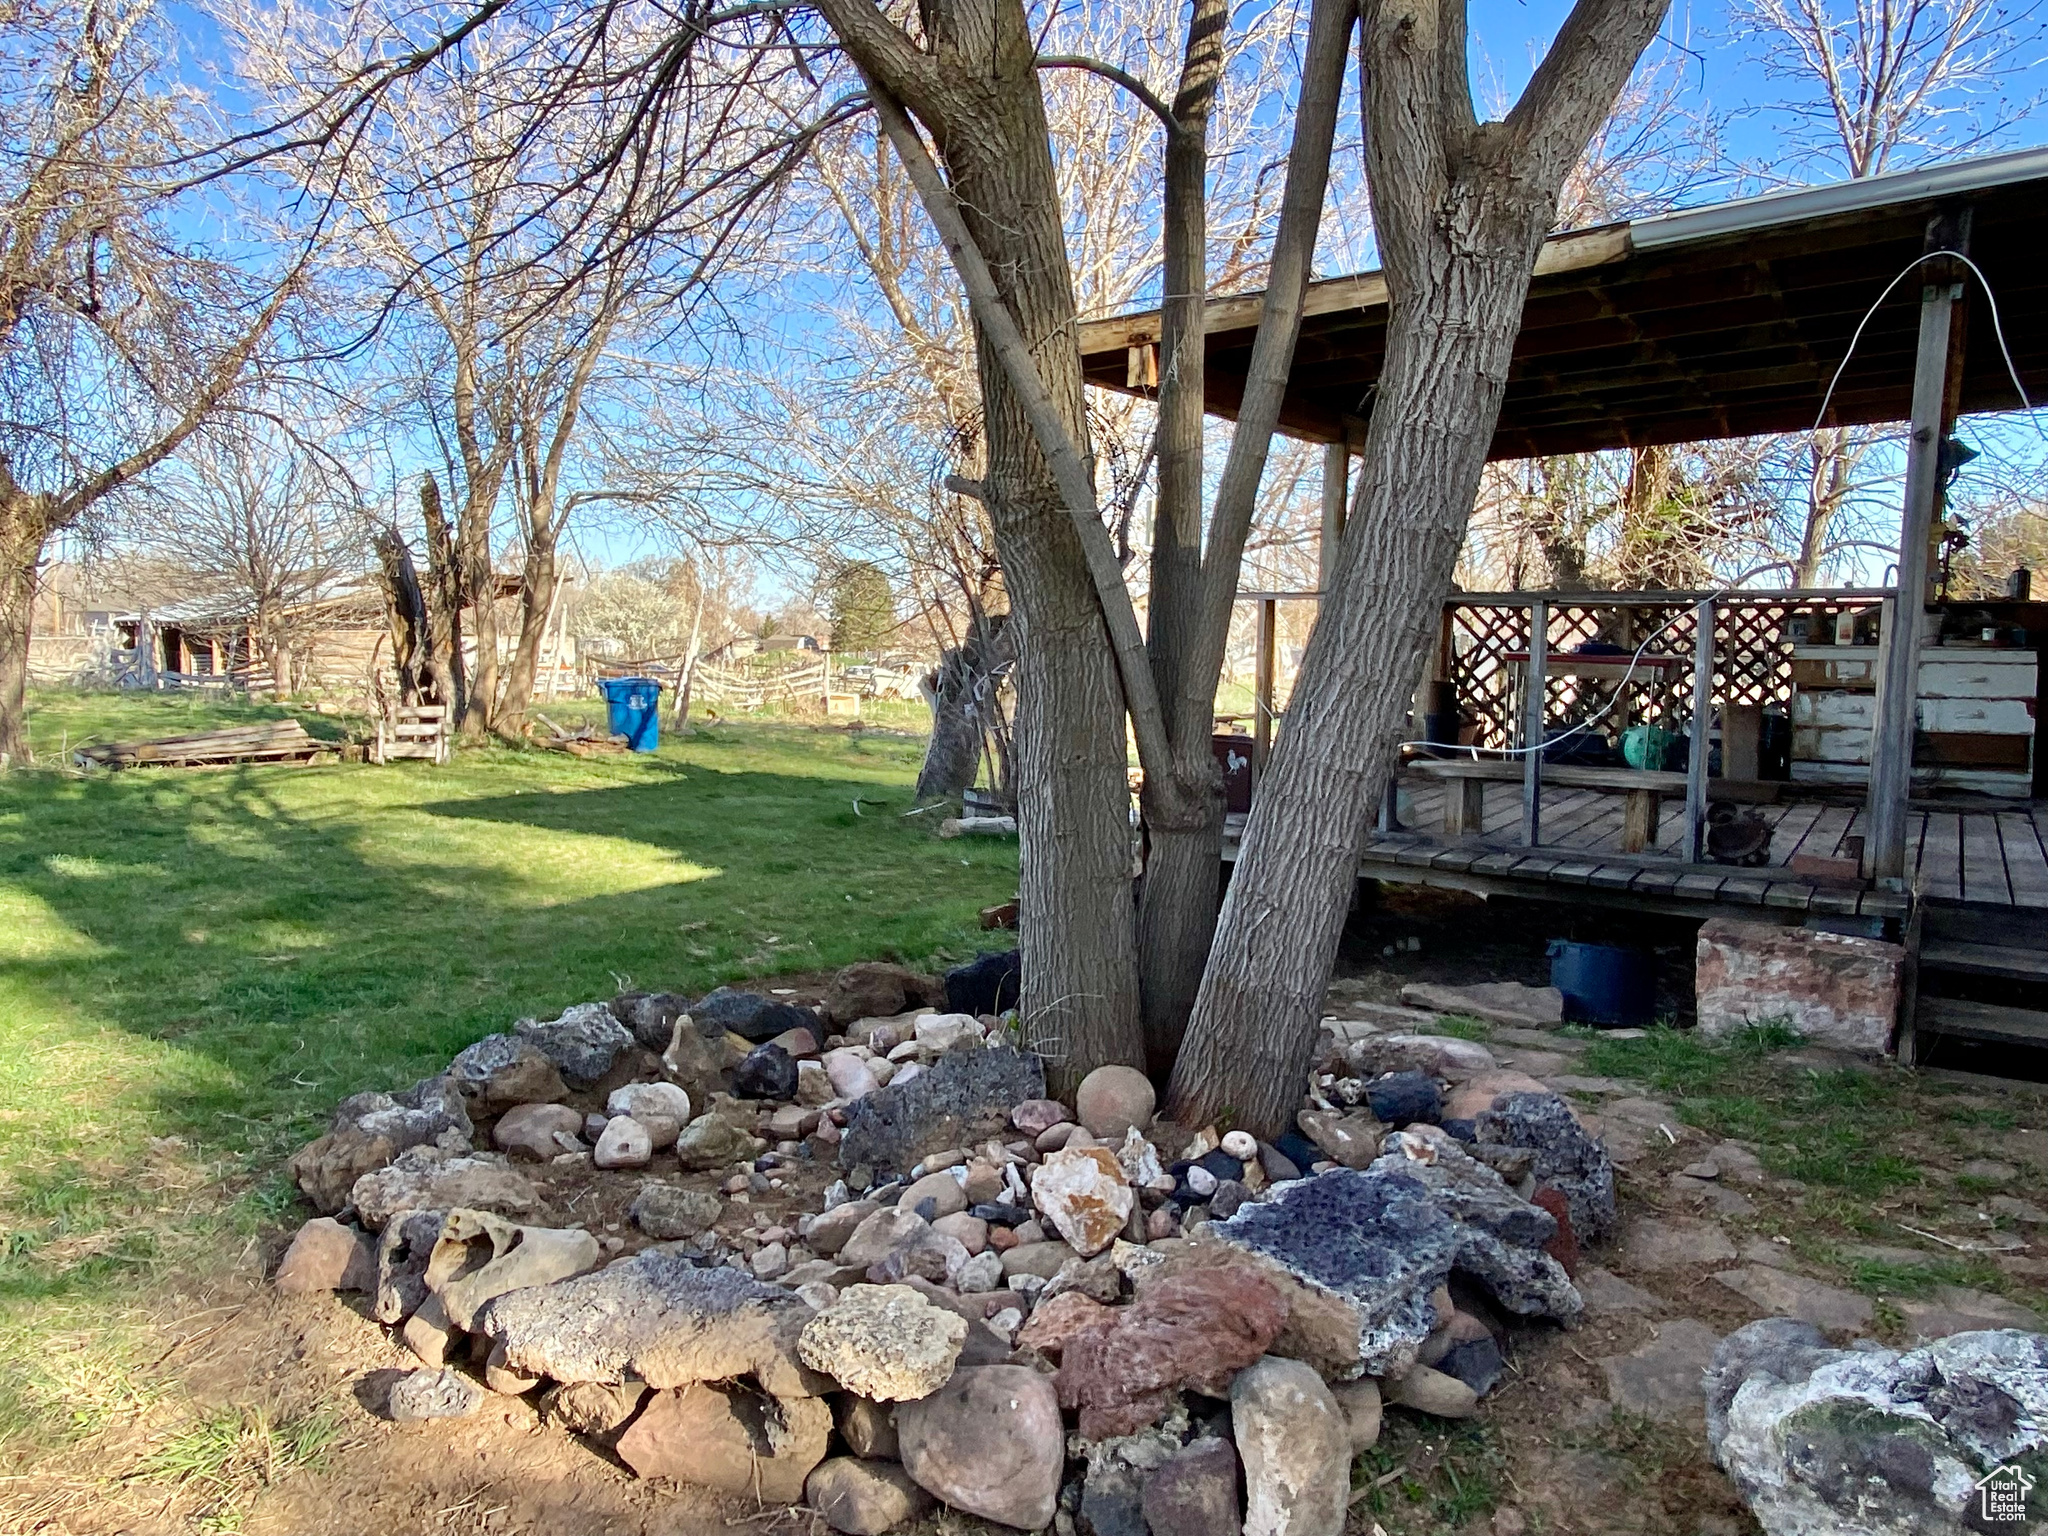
{"x":985,"y":299}
{"x":1118,"y":76}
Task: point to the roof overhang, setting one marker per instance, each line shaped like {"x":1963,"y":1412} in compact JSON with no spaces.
{"x":1723,"y":321}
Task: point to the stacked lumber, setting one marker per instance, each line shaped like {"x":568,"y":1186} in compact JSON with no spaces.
{"x":269,"y":741}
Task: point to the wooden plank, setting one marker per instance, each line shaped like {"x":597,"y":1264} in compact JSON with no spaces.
{"x":1983,"y":868}
{"x":1941,"y":857}
{"x":2026,"y":862}
{"x":1657,"y":881}
{"x":1980,"y":1021}
{"x":1747,"y":890}
{"x":1794,"y":895}
{"x":1700,"y":887}
{"x":1827,"y":832}
{"x":1789,"y":832}
{"x":1573,"y":871}
{"x":1837,"y":899}
{"x":2008,"y":961}
{"x":1614,"y":877}
{"x":1497,"y":863}
{"x":1459,"y":859}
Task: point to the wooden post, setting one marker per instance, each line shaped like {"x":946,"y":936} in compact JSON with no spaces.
{"x":1262,"y":685}
{"x":1336,"y":502}
{"x":1702,"y":728}
{"x":1535,"y":687}
{"x":1891,"y":741}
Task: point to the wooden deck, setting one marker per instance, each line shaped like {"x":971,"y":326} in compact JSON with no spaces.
{"x":1990,"y":857}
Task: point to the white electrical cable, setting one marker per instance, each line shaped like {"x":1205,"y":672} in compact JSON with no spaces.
{"x":1997,"y":330}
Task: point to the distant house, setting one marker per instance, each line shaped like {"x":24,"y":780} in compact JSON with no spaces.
{"x":790,"y":643}
{"x":136,"y":626}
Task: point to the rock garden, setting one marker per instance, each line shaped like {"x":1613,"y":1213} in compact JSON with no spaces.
{"x":848,"y":1262}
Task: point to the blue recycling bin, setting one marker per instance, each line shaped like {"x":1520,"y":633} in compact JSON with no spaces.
{"x":633,"y":708}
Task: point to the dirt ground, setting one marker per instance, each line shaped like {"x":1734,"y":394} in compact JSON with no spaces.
{"x":299,"y":1383}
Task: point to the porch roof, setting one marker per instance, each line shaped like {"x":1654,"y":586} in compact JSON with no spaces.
{"x":1715,"y":322}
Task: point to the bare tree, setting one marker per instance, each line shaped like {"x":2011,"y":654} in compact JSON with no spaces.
{"x":117,"y":342}
{"x":258,"y":522}
{"x":1872,"y":85}
{"x":527,"y":195}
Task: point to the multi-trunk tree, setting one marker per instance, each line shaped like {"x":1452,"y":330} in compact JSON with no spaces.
{"x":1460,"y":208}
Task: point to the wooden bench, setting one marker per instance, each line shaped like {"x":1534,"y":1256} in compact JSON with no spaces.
{"x":413,"y":730}
{"x":1465,"y":784}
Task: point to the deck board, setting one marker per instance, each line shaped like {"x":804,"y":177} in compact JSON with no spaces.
{"x":1941,"y":857}
{"x":1989,"y":856}
{"x":2026,"y":861}
{"x":1983,"y":872}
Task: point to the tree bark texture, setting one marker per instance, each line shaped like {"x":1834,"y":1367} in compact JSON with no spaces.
{"x":962,"y":695}
{"x":24,"y":526}
{"x":1181,"y":804}
{"x":975,"y":87}
{"x":538,"y":578}
{"x":443,"y":591}
{"x":1460,"y":209}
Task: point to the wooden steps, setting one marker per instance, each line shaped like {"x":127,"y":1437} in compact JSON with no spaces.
{"x":2006,"y":961}
{"x":1961,"y":1019}
{"x":1982,"y":976}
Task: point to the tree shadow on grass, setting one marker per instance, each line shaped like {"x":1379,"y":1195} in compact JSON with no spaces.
{"x":284,"y":943}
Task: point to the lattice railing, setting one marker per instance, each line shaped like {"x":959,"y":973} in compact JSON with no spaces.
{"x":1752,"y":651}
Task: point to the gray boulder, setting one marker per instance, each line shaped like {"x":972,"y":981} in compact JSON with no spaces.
{"x":1501,"y":1235}
{"x":432,"y":1394}
{"x":660,"y":1318}
{"x":583,"y":1043}
{"x":370,"y":1129}
{"x":749,"y":1015}
{"x":650,"y":1015}
{"x":500,"y":1071}
{"x":1872,"y":1442}
{"x":423,"y":1179}
{"x":1565,"y":1157}
{"x":403,"y":1250}
{"x":1360,"y":1253}
{"x":963,"y":1098}
{"x":1296,"y":1448}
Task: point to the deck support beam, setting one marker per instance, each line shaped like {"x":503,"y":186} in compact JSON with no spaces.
{"x":1535,"y":691}
{"x":1702,"y":729}
{"x":1898,"y":689}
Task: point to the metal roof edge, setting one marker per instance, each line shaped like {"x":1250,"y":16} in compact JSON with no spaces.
{"x":1771,"y":208}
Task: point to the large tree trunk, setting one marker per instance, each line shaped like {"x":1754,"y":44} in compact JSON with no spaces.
{"x":442,"y":660}
{"x":1460,"y":210}
{"x":1078,"y":934}
{"x":538,"y":581}
{"x":1182,"y":808}
{"x":23,"y":529}
{"x":977,"y":90}
{"x":479,"y":591}
{"x":961,"y":694}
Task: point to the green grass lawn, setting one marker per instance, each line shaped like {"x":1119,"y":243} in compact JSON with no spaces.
{"x":195,"y":965}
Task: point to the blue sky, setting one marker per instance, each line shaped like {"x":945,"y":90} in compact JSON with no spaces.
{"x":1721,"y":77}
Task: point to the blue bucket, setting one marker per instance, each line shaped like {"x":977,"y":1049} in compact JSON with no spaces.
{"x":633,"y":710}
{"x":1604,"y":984}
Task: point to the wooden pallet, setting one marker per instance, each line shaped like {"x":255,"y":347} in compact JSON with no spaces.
{"x":270,"y":741}
{"x":413,"y":730}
